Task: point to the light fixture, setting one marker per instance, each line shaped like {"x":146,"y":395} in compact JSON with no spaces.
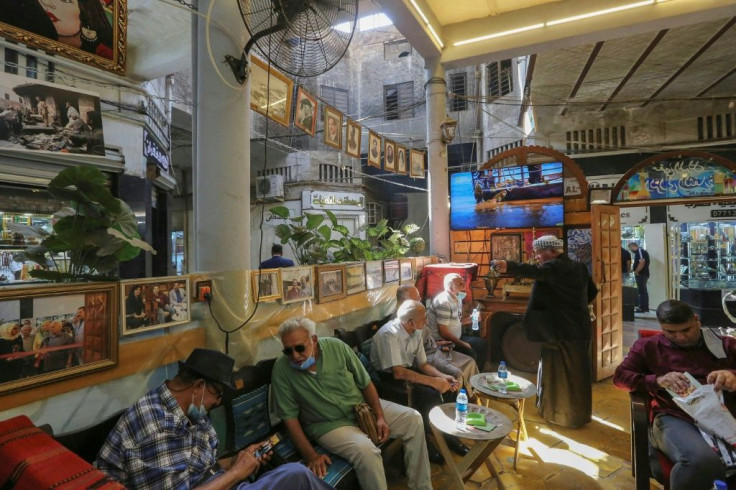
{"x":437,"y":38}
{"x":599,"y":12}
{"x":499,"y":34}
{"x":449,"y":127}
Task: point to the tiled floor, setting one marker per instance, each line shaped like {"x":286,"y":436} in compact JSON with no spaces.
{"x":596,"y":456}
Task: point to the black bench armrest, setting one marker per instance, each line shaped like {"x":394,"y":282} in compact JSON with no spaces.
{"x":86,"y":442}
{"x":640,"y":439}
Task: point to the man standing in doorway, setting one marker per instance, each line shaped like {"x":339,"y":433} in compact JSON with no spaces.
{"x":641,"y":273}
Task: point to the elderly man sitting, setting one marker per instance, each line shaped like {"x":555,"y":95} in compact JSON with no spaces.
{"x":316,"y":383}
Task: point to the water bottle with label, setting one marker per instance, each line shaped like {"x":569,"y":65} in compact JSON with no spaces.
{"x":503,"y":376}
{"x":720,"y":485}
{"x":461,"y":410}
{"x":476,"y":319}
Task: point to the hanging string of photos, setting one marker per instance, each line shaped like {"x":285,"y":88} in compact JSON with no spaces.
{"x":272,"y":98}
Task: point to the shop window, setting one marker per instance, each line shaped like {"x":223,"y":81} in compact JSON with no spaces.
{"x":500,"y":78}
{"x":11,"y":61}
{"x":398,"y":100}
{"x":458,"y":86}
{"x":335,"y":97}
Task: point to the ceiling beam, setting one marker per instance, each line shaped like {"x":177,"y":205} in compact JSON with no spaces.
{"x":584,"y":73}
{"x":692,"y":59}
{"x":644,"y":55}
{"x":407,"y":21}
{"x":716,"y":83}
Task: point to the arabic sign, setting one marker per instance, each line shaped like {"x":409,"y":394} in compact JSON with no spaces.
{"x":333,"y":200}
{"x":679,"y":178}
{"x":153,"y":151}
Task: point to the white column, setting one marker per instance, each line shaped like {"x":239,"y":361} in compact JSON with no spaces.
{"x":221,"y":132}
{"x":439,"y":209}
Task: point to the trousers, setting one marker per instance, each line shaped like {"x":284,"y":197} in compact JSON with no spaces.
{"x":294,"y":476}
{"x":641,"y":287}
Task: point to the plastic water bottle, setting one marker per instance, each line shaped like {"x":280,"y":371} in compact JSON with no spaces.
{"x":503,"y":376}
{"x":719,"y":485}
{"x":461,"y":410}
{"x":476,"y":318}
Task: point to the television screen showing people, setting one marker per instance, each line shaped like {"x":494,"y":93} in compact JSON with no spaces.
{"x":510,"y":197}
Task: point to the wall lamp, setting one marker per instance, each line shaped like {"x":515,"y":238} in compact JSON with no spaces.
{"x":449,"y":127}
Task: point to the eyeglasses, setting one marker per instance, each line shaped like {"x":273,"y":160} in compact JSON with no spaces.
{"x":290,"y":350}
{"x":219,"y":392}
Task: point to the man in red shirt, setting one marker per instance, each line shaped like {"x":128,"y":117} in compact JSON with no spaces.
{"x":655,"y":364}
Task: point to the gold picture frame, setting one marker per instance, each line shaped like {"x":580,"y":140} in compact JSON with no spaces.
{"x":389,"y":155}
{"x":416,"y":165}
{"x":406,"y":270}
{"x":48,"y":318}
{"x":266,"y":285}
{"x":374,"y":274}
{"x":374,"y":149}
{"x":332,"y":134}
{"x":330,"y":282}
{"x":391,"y":272}
{"x":161,"y":302}
{"x":355,"y":277}
{"x":297,"y":284}
{"x":402,"y":160}
{"x":104,"y":43}
{"x":352,"y":139}
{"x":305,"y":117}
{"x":270,"y":92}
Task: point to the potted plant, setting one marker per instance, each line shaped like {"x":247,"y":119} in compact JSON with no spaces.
{"x":91,"y":236}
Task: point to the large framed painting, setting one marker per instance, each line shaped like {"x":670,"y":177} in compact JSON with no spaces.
{"x":306,"y":112}
{"x":332,"y":135}
{"x":54,"y":332}
{"x":374,"y":149}
{"x":270,"y":92}
{"x":401,"y":160}
{"x":355,"y":277}
{"x":416,"y":167}
{"x":92,"y":32}
{"x":266,"y":285}
{"x":506,"y":246}
{"x":389,"y":155}
{"x":352,"y":139}
{"x":297,"y":284}
{"x":374,"y":274}
{"x":330,"y":282}
{"x":153,"y":303}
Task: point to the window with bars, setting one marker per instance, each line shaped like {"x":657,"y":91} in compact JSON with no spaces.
{"x":500,"y":78}
{"x":398,"y":100}
{"x":31,"y":67}
{"x":336,"y":97}
{"x":11,"y":61}
{"x":375,"y":213}
{"x":458,"y":86}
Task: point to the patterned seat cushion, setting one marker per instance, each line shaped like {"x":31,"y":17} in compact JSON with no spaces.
{"x":250,"y":414}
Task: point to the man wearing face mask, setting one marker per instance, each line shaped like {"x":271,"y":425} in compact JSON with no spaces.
{"x":316,"y":383}
{"x":444,"y":320}
{"x":166,"y":439}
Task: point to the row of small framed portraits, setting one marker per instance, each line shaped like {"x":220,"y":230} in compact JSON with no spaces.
{"x":328,"y":282}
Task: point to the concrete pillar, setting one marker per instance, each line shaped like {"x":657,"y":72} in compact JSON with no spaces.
{"x":439,"y":208}
{"x":221,"y":133}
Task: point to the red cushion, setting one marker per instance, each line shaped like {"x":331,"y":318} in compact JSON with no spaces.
{"x":31,"y":460}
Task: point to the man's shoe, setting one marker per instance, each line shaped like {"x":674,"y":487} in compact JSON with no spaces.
{"x":434,"y":455}
{"x":641,"y":310}
{"x":456,"y":446}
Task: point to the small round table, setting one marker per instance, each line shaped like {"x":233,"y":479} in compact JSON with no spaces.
{"x":515,"y":399}
{"x":442,"y":421}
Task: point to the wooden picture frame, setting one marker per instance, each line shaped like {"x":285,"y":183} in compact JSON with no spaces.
{"x":48,"y":318}
{"x":104,"y":45}
{"x":272,"y":98}
{"x":374,"y":149}
{"x":373,"y":274}
{"x":389,"y":155}
{"x":506,"y":246}
{"x":332,"y":134}
{"x":600,"y":195}
{"x":416,"y":165}
{"x":297,"y":284}
{"x":162,"y":302}
{"x":355,"y":277}
{"x":352,"y":139}
{"x":406,"y":270}
{"x":330,"y":282}
{"x":266,"y":285}
{"x":391,"y":272}
{"x":305,"y":116}
{"x":402,"y":157}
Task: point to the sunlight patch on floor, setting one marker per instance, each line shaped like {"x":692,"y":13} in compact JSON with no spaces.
{"x":562,"y":457}
{"x":609,"y":424}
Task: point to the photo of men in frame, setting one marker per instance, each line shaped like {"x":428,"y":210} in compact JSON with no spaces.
{"x":352,"y":139}
{"x":306,"y":112}
{"x":401,"y":157}
{"x":333,"y":128}
{"x":389,"y":155}
{"x":374,"y":149}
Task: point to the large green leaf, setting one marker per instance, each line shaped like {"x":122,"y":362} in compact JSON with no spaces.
{"x":133,"y":241}
{"x":314,"y":220}
{"x":333,"y":218}
{"x":81,"y":184}
{"x":283,"y":232}
{"x":280,"y":211}
{"x":125,"y":219}
{"x":325,"y":231}
{"x":410,"y":228}
{"x":343,"y":230}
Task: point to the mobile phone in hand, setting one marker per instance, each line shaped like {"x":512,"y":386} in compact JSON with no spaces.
{"x":267,"y":445}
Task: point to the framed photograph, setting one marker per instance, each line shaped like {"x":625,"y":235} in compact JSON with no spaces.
{"x":352,"y":139}
{"x":93,"y":33}
{"x":391,"y":271}
{"x":332,"y":135}
{"x":297,"y":284}
{"x":389,"y":155}
{"x":153,"y":303}
{"x":406,"y":270}
{"x":306,"y":112}
{"x":355,"y":277}
{"x":374,"y":149}
{"x":401,"y":160}
{"x":56,"y":331}
{"x":416,"y":168}
{"x":374,"y":274}
{"x":506,"y":247}
{"x":330,"y":282}
{"x":266,"y":284}
{"x":272,"y":98}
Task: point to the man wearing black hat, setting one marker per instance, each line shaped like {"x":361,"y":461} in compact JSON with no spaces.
{"x":166,"y":439}
{"x":557,"y":315}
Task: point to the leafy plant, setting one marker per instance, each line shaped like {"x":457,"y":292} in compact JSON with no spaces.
{"x":95,"y":233}
{"x":308,"y":236}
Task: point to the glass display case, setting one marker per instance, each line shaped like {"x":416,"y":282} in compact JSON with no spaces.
{"x":707,"y":258}
{"x":13,"y":267}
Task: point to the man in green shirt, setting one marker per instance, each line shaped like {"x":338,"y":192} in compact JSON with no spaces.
{"x":316,"y":384}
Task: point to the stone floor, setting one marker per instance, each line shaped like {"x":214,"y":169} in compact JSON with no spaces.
{"x":596,"y":456}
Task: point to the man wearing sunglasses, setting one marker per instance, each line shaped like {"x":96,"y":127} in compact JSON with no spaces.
{"x":166,"y":439}
{"x":316,"y":384}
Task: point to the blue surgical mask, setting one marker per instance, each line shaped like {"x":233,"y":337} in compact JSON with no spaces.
{"x":196,"y":414}
{"x":461,"y":295}
{"x":308,"y":362}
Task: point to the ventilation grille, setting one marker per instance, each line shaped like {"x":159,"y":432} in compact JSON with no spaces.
{"x":598,"y":139}
{"x":500,"y":149}
{"x":288,"y":173}
{"x":716,"y":127}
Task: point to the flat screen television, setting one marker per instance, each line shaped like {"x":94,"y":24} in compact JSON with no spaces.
{"x":524,"y":196}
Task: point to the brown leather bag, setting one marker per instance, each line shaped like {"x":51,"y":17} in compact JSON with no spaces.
{"x":366,"y":418}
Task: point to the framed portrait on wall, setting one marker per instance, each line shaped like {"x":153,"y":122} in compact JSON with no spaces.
{"x":306,"y":112}
{"x":391,"y":271}
{"x":401,"y":160}
{"x":389,"y":155}
{"x":54,"y":332}
{"x":153,"y":303}
{"x":332,"y":135}
{"x":374,"y":149}
{"x":506,"y":246}
{"x":270,"y":92}
{"x":90,"y":32}
{"x":352,"y":139}
{"x":266,"y":284}
{"x":297,"y":284}
{"x":355,"y":277}
{"x":406,"y":270}
{"x":416,"y":168}
{"x":330,"y":282}
{"x":374,"y":274}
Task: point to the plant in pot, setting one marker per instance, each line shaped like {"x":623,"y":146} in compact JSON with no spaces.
{"x":308,"y":236}
{"x":383,"y":242}
{"x":90,"y":237}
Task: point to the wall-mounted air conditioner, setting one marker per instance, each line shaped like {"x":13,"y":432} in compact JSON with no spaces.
{"x":270,"y":187}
